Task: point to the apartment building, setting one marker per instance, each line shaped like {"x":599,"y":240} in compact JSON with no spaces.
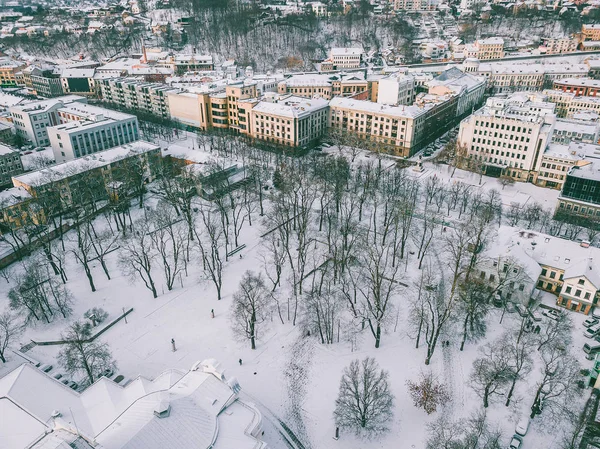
{"x":10,"y":164}
{"x":8,"y":73}
{"x":396,"y":128}
{"x":557,"y":45}
{"x":87,"y":129}
{"x":512,"y":77}
{"x":97,"y":173}
{"x":190,"y":63}
{"x":324,"y":86}
{"x":289,"y":121}
{"x":32,"y":119}
{"x":469,"y":89}
{"x":570,"y":130}
{"x":581,"y":191}
{"x":45,"y":82}
{"x":568,"y":104}
{"x":579,"y":86}
{"x":509,"y":135}
{"x":345,"y":58}
{"x":133,"y":94}
{"x":559,"y":158}
{"x":490,"y":48}
{"x":590,"y":32}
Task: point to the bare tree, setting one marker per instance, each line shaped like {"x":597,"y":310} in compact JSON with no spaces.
{"x":471,"y":433}
{"x":211,"y":244}
{"x":427,"y":392}
{"x":520,"y":361}
{"x":10,"y":328}
{"x":556,"y":332}
{"x":377,"y":284}
{"x":492,"y":371}
{"x":137,"y":256}
{"x":365,"y":402}
{"x":250,"y":307}
{"x":169,"y":240}
{"x":39,"y":296}
{"x":81,"y":353}
{"x":558,"y":382}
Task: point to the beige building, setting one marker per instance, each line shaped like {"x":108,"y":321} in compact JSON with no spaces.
{"x":556,"y":45}
{"x":324,"y":86}
{"x":558,"y":159}
{"x":490,"y":48}
{"x":289,"y":121}
{"x":590,"y":32}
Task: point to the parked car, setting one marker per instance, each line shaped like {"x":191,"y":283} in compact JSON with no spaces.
{"x":522,"y":310}
{"x":551,"y":313}
{"x":590,"y":322}
{"x":596,"y":312}
{"x":522,"y":426}
{"x":73,"y":385}
{"x":591,"y":331}
{"x":592,"y":348}
{"x":516,"y":442}
{"x":108,"y":373}
{"x":58,"y":376}
{"x":46,"y":368}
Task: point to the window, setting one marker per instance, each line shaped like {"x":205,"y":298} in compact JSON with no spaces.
{"x":544,"y":272}
{"x":552,"y":274}
{"x":581,"y":282}
{"x":568,"y":290}
{"x":577,"y":292}
{"x":587,"y":295}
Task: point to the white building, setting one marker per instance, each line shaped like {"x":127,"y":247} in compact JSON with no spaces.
{"x":470,"y":89}
{"x":131,"y":93}
{"x":509,"y":135}
{"x":397,"y":89}
{"x":31,"y":119}
{"x":346,"y":58}
{"x":199,"y":408}
{"x":87,"y":129}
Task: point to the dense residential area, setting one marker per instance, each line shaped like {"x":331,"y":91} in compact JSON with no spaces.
{"x":299,"y":224}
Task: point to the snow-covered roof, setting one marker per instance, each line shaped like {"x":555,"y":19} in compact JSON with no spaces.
{"x":78,"y":73}
{"x":376,"y":108}
{"x":12,"y":196}
{"x":587,"y":268}
{"x":346,"y":51}
{"x":118,"y":417}
{"x":505,"y":248}
{"x":189,"y":154}
{"x":549,"y":250}
{"x":74,"y":167}
{"x":587,"y":82}
{"x":45,"y":105}
{"x":291,"y":106}
{"x":5,"y":149}
{"x":491,"y":41}
{"x":589,"y":171}
{"x":573,"y":151}
{"x":91,"y":112}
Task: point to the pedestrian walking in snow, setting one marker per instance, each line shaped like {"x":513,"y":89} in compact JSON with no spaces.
{"x":212,"y":313}
{"x":173,"y":344}
{"x":240,"y":360}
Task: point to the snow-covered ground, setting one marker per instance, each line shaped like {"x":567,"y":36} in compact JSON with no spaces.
{"x":142,"y":344}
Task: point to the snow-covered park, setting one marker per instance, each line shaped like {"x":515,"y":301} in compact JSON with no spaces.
{"x":352,"y":253}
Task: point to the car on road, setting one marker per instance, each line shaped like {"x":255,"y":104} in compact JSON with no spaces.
{"x":522,"y":426}
{"x":516,"y":442}
{"x":590,"y":322}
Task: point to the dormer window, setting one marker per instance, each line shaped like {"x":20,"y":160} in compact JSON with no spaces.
{"x":581,"y":282}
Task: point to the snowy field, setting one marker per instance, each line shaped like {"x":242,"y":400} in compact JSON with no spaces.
{"x":288,"y":372}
